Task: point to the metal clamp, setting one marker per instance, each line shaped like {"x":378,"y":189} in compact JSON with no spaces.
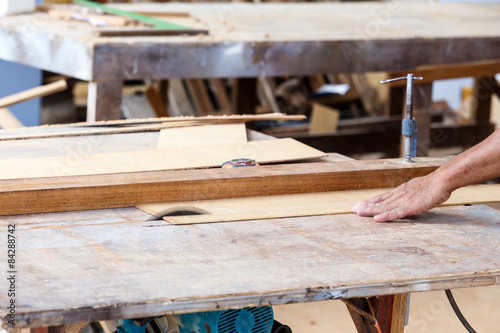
{"x":409,"y":125}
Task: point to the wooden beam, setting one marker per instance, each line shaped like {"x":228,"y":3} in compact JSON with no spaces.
{"x":23,"y":196}
{"x":442,"y":72}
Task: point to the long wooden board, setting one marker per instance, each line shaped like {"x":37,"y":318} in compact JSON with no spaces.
{"x":21,"y":196}
{"x":295,"y":205}
{"x":202,"y":136}
{"x":106,"y":271}
{"x":173,"y":158}
{"x":135,"y":125}
{"x":209,"y":118}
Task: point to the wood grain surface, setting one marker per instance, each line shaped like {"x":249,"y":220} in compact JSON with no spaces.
{"x":246,"y":40}
{"x":39,"y":195}
{"x":202,"y":136}
{"x":168,"y":158}
{"x":81,"y":271}
{"x":133,"y":126}
{"x":294,"y":205}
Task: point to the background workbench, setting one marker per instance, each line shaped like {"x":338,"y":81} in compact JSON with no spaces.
{"x":251,"y":40}
{"x":117,"y":263}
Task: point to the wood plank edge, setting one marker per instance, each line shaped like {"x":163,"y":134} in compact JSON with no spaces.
{"x":168,"y":306}
{"x":87,"y":193}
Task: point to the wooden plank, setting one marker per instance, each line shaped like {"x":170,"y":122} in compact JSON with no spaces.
{"x":148,"y":20}
{"x":152,"y":268}
{"x":399,"y":313}
{"x":127,"y":126}
{"x":202,"y":136}
{"x":429,"y":44}
{"x":69,"y":131}
{"x":171,"y":158}
{"x":21,"y":196}
{"x":294,"y":205}
{"x":144,"y":32}
{"x":100,"y":20}
{"x":33,"y":93}
{"x":223,"y":118}
{"x":241,"y":209}
{"x":163,"y":13}
{"x":368,"y":94}
{"x":432,"y":73}
{"x":94,"y":217}
{"x":324,"y":120}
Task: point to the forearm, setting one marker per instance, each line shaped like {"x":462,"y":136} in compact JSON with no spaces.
{"x":480,"y":163}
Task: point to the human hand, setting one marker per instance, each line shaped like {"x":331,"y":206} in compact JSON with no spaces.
{"x":413,"y":197}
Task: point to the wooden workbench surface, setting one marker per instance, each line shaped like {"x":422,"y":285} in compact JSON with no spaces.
{"x":262,"y":40}
{"x":98,"y":265}
{"x":117,"y":263}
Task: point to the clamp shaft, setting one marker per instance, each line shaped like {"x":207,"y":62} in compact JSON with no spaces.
{"x":409,"y":125}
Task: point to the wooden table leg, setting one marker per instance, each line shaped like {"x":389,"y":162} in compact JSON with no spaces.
{"x":380,"y":314}
{"x":245,"y":96}
{"x":484,"y":87}
{"x":399,"y":304}
{"x":104,"y":100}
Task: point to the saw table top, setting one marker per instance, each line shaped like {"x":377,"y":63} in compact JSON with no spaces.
{"x":116,"y":263}
{"x":97,"y":265}
{"x":249,"y":40}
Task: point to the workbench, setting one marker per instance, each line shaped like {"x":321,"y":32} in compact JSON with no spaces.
{"x":106,"y":264}
{"x":251,"y":40}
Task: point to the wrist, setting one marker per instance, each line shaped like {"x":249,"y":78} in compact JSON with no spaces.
{"x":444,"y":180}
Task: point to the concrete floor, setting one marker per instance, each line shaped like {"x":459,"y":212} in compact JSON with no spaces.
{"x":430,"y":312}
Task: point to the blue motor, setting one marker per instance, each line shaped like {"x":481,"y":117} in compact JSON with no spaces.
{"x":248,"y":320}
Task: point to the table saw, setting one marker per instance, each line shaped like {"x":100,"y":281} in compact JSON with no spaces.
{"x":78,"y":260}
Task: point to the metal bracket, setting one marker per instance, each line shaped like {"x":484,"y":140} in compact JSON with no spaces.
{"x":409,"y":126}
